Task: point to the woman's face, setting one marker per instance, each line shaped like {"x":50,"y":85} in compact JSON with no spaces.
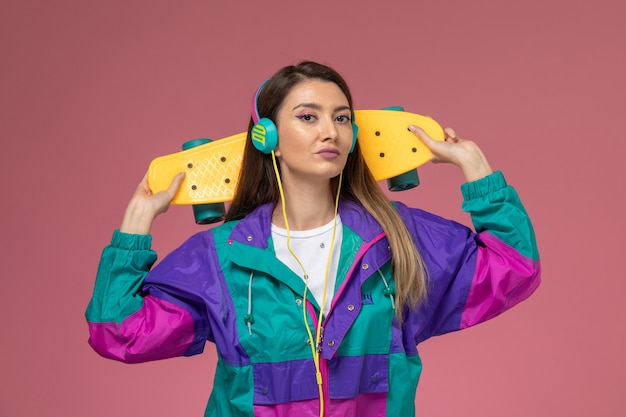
{"x":314,"y":131}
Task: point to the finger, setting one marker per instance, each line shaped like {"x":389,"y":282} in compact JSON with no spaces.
{"x":450,"y":135}
{"x":142,"y":187}
{"x":423,"y":136}
{"x":175,"y":184}
{"x":161,"y":201}
{"x":436,"y":147}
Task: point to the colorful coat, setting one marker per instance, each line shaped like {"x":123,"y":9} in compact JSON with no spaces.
{"x":225,"y":285}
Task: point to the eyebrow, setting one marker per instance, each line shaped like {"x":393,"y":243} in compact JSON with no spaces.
{"x":319,"y":108}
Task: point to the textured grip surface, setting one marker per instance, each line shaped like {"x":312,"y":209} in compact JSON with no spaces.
{"x":212,"y":171}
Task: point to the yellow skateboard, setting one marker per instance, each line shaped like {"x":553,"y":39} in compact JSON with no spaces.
{"x":212,"y":167}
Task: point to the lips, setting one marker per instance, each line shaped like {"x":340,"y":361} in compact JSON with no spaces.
{"x":328,"y":153}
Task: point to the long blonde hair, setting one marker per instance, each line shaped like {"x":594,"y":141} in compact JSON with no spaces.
{"x":258,"y":185}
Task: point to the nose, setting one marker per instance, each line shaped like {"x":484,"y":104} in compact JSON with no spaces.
{"x":328,"y":129}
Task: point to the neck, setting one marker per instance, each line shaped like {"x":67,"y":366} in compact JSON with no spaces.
{"x":306,"y":207}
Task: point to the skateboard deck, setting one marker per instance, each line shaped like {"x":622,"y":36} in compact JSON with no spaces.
{"x":212,"y":169}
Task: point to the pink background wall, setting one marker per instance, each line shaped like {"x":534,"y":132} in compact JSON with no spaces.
{"x":91,"y":91}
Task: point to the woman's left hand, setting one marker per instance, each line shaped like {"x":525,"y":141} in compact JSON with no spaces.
{"x":461,"y":152}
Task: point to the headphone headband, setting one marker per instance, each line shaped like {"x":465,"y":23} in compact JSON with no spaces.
{"x":254,"y":109}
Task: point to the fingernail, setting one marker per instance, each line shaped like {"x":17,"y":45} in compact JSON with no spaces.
{"x":412,"y":128}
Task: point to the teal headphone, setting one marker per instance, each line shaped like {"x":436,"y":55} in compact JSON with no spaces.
{"x":264,"y":133}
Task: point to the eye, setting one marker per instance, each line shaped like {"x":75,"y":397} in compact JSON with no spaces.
{"x":306,"y":117}
{"x":342,"y":118}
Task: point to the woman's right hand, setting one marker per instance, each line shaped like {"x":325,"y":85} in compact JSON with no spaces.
{"x":144,"y":206}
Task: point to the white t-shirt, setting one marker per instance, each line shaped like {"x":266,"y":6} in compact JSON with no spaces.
{"x":311,"y":247}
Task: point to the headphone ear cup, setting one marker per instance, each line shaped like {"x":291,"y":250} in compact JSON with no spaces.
{"x":355,"y":133}
{"x":264,"y":135}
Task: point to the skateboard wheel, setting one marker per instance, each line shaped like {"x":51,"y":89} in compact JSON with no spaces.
{"x":208,"y":213}
{"x":205,"y":213}
{"x":404,"y":181}
{"x":195,"y":142}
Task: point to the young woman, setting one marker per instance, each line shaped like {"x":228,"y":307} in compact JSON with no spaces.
{"x":316,"y":289}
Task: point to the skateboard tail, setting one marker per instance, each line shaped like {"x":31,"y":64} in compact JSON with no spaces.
{"x":211,"y":171}
{"x":389,"y":148}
